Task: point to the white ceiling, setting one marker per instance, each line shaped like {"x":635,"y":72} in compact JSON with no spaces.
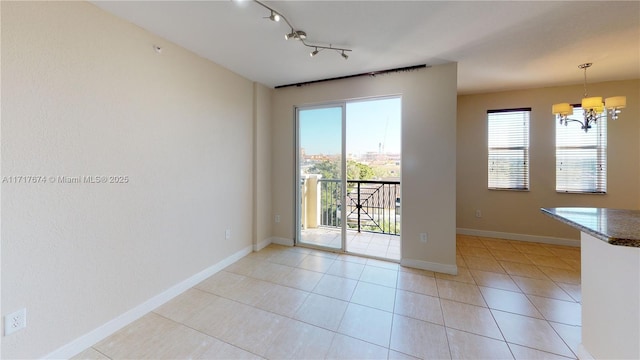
{"x":499,"y":45}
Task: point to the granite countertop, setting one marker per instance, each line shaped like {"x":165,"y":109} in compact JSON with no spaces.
{"x":615,"y":226}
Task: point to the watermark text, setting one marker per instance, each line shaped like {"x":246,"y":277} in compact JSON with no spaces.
{"x":64,"y":179}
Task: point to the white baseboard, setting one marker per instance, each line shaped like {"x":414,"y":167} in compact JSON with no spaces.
{"x":262,"y":244}
{"x":85,"y":341}
{"x":282,"y":241}
{"x":520,"y":237}
{"x":583,"y":354}
{"x":431,"y":266}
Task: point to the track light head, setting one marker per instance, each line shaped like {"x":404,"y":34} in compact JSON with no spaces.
{"x":274,"y":16}
{"x":296,"y":34}
{"x":345,"y":56}
{"x":314,"y":52}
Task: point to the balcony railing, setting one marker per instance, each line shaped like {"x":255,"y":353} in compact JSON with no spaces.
{"x":371,"y":205}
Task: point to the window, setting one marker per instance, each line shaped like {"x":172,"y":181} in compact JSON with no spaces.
{"x":581,"y":158}
{"x":509,"y":149}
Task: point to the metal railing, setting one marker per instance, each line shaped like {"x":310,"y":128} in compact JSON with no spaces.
{"x":371,"y":205}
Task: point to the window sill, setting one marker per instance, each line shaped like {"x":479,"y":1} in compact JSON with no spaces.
{"x":582,"y":192}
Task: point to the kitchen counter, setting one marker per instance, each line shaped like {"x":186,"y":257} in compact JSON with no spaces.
{"x":610,"y":280}
{"x":615,"y":226}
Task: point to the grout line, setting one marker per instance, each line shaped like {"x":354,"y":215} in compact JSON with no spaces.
{"x":205,"y":334}
{"x":393,"y":313}
{"x":281,"y":254}
{"x":540,"y":350}
{"x":100,"y":352}
{"x":495,"y":321}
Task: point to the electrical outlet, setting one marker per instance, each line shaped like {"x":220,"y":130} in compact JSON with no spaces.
{"x":277,"y":219}
{"x":478,"y":213}
{"x":15,"y":321}
{"x":423,"y":238}
{"x":227,"y":234}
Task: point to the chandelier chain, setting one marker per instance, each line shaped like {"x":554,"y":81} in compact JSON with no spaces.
{"x":585,"y":82}
{"x":584,"y":67}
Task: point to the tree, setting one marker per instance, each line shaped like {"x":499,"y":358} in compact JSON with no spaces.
{"x":359,"y":171}
{"x":330,"y":169}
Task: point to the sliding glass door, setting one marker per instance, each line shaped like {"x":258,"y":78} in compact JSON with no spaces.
{"x":348,"y":173}
{"x":320,"y":159}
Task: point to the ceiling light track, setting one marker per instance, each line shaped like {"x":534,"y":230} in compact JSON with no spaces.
{"x":369,"y":74}
{"x":301,"y":35}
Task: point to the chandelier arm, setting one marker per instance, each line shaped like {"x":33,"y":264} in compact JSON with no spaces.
{"x":595,"y":118}
{"x":566,"y":120}
{"x":583,"y":125}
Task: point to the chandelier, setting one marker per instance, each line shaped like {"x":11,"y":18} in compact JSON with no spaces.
{"x":593,"y":107}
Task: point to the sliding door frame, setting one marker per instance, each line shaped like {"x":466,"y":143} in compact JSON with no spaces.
{"x":343,"y":174}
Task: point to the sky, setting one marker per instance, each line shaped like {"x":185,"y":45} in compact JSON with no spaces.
{"x":369,"y":123}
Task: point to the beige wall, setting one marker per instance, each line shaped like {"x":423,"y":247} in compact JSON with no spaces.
{"x":428,"y":155}
{"x":84,"y":93}
{"x":262,"y":165}
{"x":519,"y":212}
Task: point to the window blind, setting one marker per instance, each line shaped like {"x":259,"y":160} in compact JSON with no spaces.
{"x":508,"y":145}
{"x":581,"y":158}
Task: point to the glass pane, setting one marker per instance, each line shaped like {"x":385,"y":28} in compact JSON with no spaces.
{"x":320,"y":169}
{"x":508,"y":141}
{"x":508,"y":169}
{"x":372,"y":207}
{"x":581,"y":157}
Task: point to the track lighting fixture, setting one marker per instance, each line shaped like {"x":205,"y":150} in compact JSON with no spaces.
{"x":299,"y":34}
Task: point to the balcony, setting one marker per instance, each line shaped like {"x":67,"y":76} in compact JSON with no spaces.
{"x":371,"y":212}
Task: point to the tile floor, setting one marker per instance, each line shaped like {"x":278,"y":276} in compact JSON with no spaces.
{"x":365,"y":243}
{"x":510,"y":300}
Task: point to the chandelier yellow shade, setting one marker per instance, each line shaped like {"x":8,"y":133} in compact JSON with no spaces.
{"x":618,"y":102}
{"x":592,"y":103}
{"x":562,"y":109}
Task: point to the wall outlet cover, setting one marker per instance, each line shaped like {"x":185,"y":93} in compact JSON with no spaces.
{"x":15,"y":321}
